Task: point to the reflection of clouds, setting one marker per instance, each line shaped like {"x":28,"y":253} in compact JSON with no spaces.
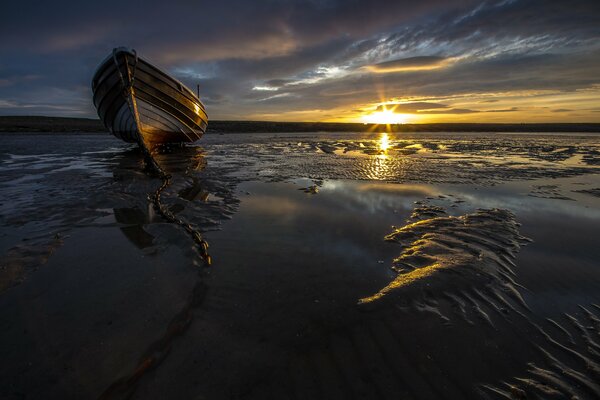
{"x":338,"y":196}
{"x":331,"y":222}
{"x":375,"y":197}
{"x":349,"y":218}
{"x":514,"y":197}
{"x":403,"y":189}
{"x":273,"y":205}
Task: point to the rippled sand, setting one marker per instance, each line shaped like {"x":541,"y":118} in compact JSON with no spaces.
{"x":425,"y":266}
{"x":446,"y":253}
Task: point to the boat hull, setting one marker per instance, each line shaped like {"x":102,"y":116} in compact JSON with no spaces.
{"x":137,"y":101}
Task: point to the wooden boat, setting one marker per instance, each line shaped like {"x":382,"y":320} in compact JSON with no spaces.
{"x":138,"y":102}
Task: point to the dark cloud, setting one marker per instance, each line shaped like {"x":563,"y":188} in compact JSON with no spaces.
{"x":450,"y":111}
{"x":411,"y":107}
{"x":423,"y":107}
{"x":503,"y":110}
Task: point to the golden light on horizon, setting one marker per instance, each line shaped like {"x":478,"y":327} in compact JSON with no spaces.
{"x":385,"y":117}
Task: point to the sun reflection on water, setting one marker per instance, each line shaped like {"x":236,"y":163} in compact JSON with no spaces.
{"x":379,"y":167}
{"x":384,"y":142}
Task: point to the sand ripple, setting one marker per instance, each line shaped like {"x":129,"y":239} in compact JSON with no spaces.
{"x":569,"y":367}
{"x":455,"y":253}
{"x":421,"y":158}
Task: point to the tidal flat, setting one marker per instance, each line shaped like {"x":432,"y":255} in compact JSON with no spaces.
{"x":350,"y":266}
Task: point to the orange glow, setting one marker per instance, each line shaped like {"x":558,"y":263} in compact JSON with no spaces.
{"x":384,"y":117}
{"x":539,"y":106}
{"x":390,"y":68}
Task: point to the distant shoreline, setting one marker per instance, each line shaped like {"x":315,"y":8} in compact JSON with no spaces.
{"x":86,"y":125}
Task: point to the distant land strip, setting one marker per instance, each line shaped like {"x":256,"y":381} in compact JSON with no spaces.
{"x":61,"y":124}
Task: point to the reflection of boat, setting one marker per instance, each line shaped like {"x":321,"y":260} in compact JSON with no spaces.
{"x":180,"y":159}
{"x":182,"y":163}
{"x":173,"y":160}
{"x":134,"y":220}
{"x":194,"y":191}
{"x":135,"y":100}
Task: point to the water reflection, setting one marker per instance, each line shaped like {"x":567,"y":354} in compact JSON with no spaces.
{"x":195,"y":191}
{"x":384,"y":143}
{"x":309,"y":258}
{"x":134,"y":220}
{"x":180,"y":159}
{"x":378,"y":167}
{"x":182,"y":166}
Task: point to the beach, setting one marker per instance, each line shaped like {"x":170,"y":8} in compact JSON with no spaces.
{"x":344,"y":265}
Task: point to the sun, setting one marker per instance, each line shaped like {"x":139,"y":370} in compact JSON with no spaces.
{"x":384,"y":117}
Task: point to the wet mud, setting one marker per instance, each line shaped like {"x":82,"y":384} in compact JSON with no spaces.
{"x":431,"y":158}
{"x":592,"y":192}
{"x":343,"y":266}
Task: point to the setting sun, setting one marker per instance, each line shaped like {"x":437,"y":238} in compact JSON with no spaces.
{"x":384,"y":117}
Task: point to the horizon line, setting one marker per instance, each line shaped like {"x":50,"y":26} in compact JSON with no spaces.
{"x":330,"y":122}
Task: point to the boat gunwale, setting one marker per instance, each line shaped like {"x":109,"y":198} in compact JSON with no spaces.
{"x":180,"y":86}
{"x":170,"y":82}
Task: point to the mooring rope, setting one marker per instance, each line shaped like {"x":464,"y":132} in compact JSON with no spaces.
{"x":169,"y":216}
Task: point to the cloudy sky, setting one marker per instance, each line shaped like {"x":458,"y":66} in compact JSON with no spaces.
{"x":318,"y":60}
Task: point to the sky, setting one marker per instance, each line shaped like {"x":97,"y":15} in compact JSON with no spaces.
{"x":417,"y":61}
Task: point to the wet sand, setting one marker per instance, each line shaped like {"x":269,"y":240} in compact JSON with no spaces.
{"x":344,"y":266}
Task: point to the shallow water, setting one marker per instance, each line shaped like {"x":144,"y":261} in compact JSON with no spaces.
{"x":102,"y":298}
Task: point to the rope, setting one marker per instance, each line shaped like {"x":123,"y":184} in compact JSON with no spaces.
{"x":169,"y":216}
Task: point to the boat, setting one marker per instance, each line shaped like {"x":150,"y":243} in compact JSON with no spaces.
{"x":140,"y":103}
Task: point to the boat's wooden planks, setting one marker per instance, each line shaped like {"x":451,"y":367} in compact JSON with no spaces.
{"x":108,"y":107}
{"x":166,"y":109}
{"x":160,"y":100}
{"x":160,"y":78}
{"x":194,"y":106}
